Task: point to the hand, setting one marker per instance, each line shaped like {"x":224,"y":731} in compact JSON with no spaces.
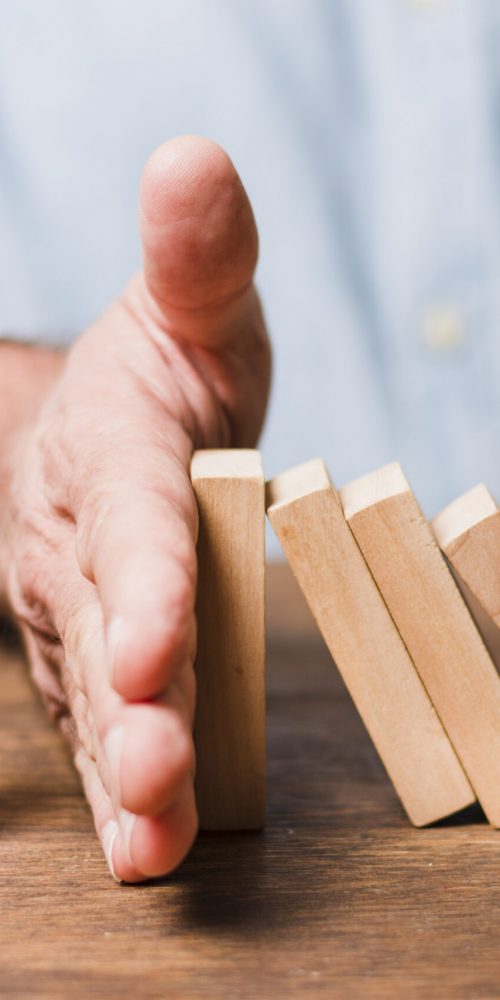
{"x":100,"y":522}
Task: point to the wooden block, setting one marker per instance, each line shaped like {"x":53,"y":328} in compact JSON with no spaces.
{"x":306,"y":514}
{"x":433,"y":620}
{"x":468,"y":532}
{"x":230,"y":665}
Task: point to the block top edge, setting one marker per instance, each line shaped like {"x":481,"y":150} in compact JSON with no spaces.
{"x":372,"y":488}
{"x":464,"y":513}
{"x":299,"y":481}
{"x":226,"y":463}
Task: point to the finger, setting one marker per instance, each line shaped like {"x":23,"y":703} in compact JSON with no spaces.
{"x":157,"y":845}
{"x":138,"y":847}
{"x":105,"y":821}
{"x":200,"y":241}
{"x":139,"y":549}
{"x":144,"y":752}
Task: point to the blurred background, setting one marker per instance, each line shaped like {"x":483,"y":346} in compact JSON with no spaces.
{"x":368,"y":137}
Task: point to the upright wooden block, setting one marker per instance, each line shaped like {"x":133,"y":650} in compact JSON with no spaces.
{"x":230,"y":666}
{"x":433,"y":620}
{"x":306,"y":514}
{"x":468,"y":532}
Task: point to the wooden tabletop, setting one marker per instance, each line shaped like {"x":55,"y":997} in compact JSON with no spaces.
{"x":338,"y":898}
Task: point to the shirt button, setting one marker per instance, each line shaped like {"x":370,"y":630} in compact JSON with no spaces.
{"x":443,"y":329}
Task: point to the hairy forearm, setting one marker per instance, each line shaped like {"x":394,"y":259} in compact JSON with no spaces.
{"x":27,"y":373}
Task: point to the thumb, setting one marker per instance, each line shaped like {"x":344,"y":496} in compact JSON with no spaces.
{"x":199,"y":241}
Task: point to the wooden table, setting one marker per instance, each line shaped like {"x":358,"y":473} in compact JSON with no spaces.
{"x":339,"y":897}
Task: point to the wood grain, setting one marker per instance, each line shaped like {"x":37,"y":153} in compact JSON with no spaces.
{"x":468,"y":532}
{"x":230,"y":662}
{"x":306,"y":514}
{"x":340,"y":898}
{"x":433,"y":620}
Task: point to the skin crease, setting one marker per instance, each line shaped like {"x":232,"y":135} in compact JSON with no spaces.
{"x":98,"y":525}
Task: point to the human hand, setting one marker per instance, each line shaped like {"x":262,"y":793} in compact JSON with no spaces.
{"x":99,"y":520}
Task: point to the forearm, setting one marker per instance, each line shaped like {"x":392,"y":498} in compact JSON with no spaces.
{"x":26,"y":375}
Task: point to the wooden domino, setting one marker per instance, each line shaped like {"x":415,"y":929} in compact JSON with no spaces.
{"x":433,"y":620}
{"x":468,"y":532}
{"x":230,"y":673}
{"x":306,"y":514}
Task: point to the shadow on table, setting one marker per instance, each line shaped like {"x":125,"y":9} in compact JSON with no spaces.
{"x":466,"y":817}
{"x":232,"y":882}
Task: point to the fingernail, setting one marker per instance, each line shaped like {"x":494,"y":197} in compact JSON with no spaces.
{"x":108,"y":837}
{"x":126,"y":820}
{"x":113,"y":747}
{"x":114,"y":635}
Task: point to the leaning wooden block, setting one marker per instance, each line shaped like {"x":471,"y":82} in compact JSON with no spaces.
{"x":433,"y":620}
{"x":468,"y":532}
{"x":230,"y":672}
{"x":306,"y":514}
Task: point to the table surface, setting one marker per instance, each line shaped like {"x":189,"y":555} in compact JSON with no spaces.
{"x":339,"y":897}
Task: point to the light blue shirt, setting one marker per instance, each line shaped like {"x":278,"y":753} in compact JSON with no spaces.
{"x":368,"y":136}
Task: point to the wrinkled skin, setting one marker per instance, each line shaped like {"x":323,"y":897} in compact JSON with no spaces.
{"x":99,"y":521}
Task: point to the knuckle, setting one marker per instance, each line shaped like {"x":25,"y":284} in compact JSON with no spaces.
{"x":96,"y":511}
{"x":46,"y":671}
{"x":29,"y":587}
{"x":82,"y":636}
